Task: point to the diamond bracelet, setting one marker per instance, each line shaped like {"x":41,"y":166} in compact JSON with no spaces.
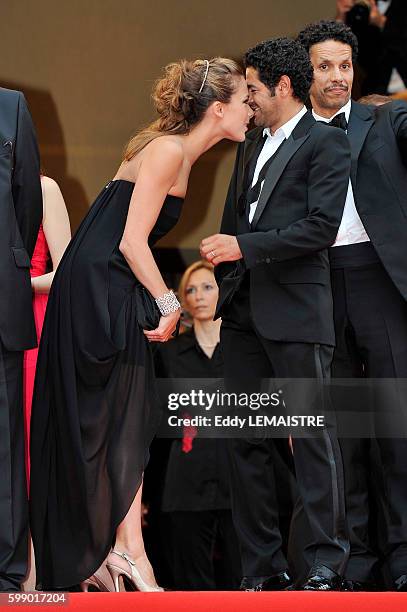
{"x":167,"y":303}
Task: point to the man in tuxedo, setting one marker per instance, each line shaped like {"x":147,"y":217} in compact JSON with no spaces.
{"x":369,"y":280}
{"x":20,"y":218}
{"x":283,"y":210}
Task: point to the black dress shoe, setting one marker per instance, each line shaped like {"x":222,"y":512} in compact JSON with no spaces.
{"x":400,"y":584}
{"x":356,"y":585}
{"x":278,"y":582}
{"x":321,"y":578}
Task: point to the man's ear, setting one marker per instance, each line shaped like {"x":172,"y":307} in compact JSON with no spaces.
{"x":284,"y":86}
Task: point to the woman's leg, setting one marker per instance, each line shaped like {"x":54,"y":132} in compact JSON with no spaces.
{"x":129,"y":536}
{"x":129,"y":540}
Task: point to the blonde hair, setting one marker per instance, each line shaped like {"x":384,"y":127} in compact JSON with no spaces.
{"x":182,"y":96}
{"x":197,"y":265}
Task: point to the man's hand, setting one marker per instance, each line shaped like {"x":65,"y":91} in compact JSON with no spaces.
{"x":219,"y":248}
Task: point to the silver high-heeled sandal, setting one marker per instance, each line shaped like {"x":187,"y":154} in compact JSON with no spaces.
{"x":133,"y":576}
{"x":100,"y":580}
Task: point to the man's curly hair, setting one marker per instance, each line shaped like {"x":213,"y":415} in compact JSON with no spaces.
{"x":328,"y":29}
{"x":282,"y":56}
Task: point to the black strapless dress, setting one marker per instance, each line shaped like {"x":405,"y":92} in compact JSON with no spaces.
{"x":94,"y":409}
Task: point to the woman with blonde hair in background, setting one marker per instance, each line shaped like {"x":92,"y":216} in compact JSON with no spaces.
{"x":197,"y":491}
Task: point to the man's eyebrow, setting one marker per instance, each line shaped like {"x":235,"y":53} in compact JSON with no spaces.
{"x":327,"y":61}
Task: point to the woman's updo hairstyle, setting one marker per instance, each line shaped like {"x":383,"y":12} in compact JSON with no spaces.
{"x":182,"y":96}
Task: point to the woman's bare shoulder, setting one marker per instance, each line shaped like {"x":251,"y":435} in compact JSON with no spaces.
{"x":49,"y":184}
{"x":52,"y":198}
{"x":168,"y":149}
{"x":167,"y":145}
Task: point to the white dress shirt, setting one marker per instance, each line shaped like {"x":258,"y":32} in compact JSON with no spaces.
{"x":351,"y":230}
{"x":271,"y":145}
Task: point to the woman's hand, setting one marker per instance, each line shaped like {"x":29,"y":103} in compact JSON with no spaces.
{"x":165,"y":329}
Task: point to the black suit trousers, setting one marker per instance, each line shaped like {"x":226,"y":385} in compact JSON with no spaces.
{"x":371,"y":330}
{"x":317,"y":460}
{"x":13,"y":485}
{"x":198,"y":537}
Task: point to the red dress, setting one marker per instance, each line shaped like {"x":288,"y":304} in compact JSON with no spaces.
{"x":38,"y":268}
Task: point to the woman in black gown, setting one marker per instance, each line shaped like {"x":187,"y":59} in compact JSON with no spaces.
{"x":94,"y":411}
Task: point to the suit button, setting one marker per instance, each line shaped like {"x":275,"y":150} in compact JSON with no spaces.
{"x":268,"y":259}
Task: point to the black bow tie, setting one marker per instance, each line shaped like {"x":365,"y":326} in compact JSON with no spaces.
{"x":339,"y":121}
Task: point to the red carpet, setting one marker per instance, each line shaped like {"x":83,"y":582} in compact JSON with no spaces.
{"x":230,"y":602}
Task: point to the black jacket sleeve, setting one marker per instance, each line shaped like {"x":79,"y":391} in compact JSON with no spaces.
{"x":26,"y":186}
{"x":228,"y":223}
{"x":398,"y":118}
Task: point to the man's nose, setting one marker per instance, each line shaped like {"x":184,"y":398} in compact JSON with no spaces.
{"x":336,"y":75}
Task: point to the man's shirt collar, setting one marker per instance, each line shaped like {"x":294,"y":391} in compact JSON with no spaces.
{"x":288,"y":127}
{"x":345,"y":109}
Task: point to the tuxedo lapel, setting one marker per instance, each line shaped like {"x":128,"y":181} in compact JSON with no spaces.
{"x":360,"y":122}
{"x":287,"y":150}
{"x":242,"y":224}
{"x":252,"y":141}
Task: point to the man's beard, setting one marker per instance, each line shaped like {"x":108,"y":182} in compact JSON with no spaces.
{"x":259,"y":120}
{"x":324,"y":101}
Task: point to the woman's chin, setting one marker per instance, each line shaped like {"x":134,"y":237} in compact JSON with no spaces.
{"x":203,"y":316}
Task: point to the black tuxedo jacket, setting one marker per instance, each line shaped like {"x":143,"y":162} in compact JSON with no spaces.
{"x":285,"y":248}
{"x":378,"y":140}
{"x":20,"y":218}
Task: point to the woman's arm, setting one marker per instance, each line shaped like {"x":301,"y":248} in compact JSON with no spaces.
{"x":158,"y":174}
{"x":56,"y":228}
